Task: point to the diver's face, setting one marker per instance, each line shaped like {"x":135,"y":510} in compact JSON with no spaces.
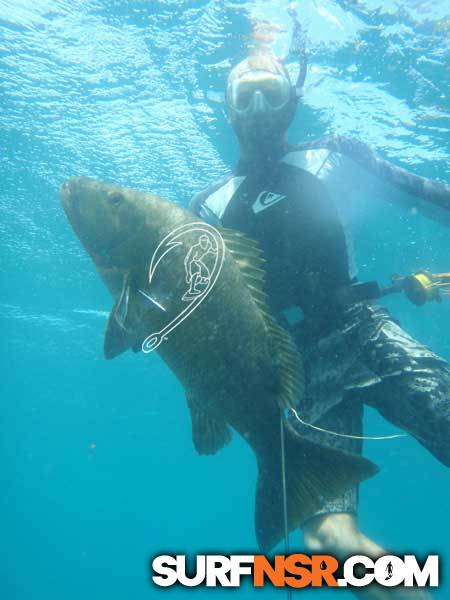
{"x":260,"y":101}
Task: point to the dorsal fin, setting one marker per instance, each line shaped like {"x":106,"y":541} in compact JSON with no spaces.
{"x":248,"y":256}
{"x":292,"y":380}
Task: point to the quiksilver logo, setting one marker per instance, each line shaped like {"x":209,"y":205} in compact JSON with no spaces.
{"x":266,"y":199}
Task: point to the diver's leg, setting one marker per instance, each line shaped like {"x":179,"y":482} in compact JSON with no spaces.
{"x":338,"y":534}
{"x":334,"y":530}
{"x":419,"y":403}
{"x":416,"y":395}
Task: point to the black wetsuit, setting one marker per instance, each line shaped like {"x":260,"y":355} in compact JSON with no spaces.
{"x":289,"y":212}
{"x":353,"y":354}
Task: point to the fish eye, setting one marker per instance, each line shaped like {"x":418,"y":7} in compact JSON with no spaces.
{"x":115,"y":198}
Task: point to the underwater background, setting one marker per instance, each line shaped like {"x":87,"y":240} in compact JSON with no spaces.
{"x":97,"y":469}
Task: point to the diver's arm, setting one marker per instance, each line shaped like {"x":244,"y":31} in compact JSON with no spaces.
{"x":435,"y":195}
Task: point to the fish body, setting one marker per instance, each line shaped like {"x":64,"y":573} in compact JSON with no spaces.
{"x":238,"y":368}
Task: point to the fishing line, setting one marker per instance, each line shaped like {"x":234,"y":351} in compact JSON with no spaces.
{"x":439,"y":284}
{"x":283,"y":479}
{"x":346,"y":435}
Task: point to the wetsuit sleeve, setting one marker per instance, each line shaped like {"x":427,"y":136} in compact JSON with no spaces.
{"x":429,"y":197}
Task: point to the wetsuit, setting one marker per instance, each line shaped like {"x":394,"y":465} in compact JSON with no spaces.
{"x":354,"y":353}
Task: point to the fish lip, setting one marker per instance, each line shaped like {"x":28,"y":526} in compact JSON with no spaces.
{"x":65,"y":195}
{"x":69,"y":205}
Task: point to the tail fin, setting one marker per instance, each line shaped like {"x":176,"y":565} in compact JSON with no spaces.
{"x":314,"y":474}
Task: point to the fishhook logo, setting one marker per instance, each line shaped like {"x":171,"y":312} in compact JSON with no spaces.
{"x":200,"y":277}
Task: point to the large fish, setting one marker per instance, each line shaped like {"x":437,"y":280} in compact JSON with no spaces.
{"x":196,"y":295}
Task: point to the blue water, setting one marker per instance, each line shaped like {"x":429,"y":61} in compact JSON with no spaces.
{"x":98,"y":473}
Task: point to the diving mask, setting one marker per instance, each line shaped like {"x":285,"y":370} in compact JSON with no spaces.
{"x":256,"y":91}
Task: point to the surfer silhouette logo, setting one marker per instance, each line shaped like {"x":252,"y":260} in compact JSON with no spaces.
{"x":198,"y":274}
{"x":202,"y":253}
{"x":389,"y":570}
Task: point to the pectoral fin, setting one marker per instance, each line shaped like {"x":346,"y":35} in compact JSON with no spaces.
{"x":117,"y":340}
{"x":117,"y":337}
{"x":120,"y":310}
{"x":130,"y":310}
{"x":209,"y":434}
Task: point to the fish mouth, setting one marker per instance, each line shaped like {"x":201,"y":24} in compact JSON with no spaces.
{"x":69,"y":201}
{"x":65,"y":197}
{"x":69,"y":194}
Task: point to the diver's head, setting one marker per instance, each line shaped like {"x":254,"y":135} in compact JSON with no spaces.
{"x":261,"y":101}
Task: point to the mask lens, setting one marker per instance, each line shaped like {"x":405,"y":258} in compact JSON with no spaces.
{"x":243,"y":94}
{"x":276,"y":92}
{"x":275,"y":89}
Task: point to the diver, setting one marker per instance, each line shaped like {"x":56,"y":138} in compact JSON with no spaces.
{"x":289,"y":199}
